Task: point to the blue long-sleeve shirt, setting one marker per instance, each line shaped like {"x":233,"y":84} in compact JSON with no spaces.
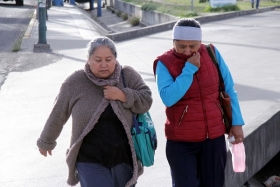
{"x":171,"y":91}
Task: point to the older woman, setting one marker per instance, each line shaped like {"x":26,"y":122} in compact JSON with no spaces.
{"x":188,"y":84}
{"x":101,"y":150}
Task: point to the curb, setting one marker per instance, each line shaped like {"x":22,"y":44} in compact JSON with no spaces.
{"x":266,"y":122}
{"x":94,"y":21}
{"x":31,"y":25}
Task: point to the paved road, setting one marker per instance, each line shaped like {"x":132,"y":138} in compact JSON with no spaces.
{"x":13,"y":22}
{"x":250,"y":45}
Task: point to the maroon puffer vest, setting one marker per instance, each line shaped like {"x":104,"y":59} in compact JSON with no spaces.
{"x":198,"y":114}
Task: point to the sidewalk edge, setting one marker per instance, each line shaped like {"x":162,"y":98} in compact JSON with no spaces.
{"x":31,"y":25}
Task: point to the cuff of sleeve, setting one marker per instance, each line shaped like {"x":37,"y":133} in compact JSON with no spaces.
{"x":129,"y":98}
{"x":190,"y":67}
{"x":45,"y":145}
{"x":238,"y":124}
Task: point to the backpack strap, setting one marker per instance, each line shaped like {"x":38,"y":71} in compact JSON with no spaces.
{"x":210,"y":49}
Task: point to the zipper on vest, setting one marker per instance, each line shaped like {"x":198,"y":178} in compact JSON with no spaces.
{"x":221,"y":109}
{"x":203,"y":104}
{"x":186,"y":109}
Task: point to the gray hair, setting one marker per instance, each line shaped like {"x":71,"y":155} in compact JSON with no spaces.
{"x":98,"y":42}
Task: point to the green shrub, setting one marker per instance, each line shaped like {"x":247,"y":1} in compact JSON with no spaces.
{"x":119,"y":13}
{"x":17,"y":44}
{"x":124,"y":16}
{"x":149,"y":6}
{"x":134,"y":21}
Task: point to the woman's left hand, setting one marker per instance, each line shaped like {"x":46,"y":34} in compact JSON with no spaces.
{"x":114,"y":93}
{"x":237,"y":132}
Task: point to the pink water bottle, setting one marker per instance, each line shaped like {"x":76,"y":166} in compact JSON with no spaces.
{"x":238,"y":155}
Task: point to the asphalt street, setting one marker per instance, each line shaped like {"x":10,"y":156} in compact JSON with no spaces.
{"x":250,"y":45}
{"x":13,"y":23}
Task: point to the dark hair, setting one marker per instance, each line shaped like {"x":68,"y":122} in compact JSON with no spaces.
{"x":187,"y":22}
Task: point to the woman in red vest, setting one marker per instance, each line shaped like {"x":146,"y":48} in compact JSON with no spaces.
{"x":188,"y":84}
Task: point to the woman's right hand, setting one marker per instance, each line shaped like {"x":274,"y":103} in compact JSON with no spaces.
{"x":45,"y":152}
{"x":195,"y":59}
{"x":114,"y":93}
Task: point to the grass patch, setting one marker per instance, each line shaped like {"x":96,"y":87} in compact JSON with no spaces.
{"x":149,"y":6}
{"x":225,"y":8}
{"x":137,"y":2}
{"x":17,"y":44}
{"x":178,"y":11}
{"x":184,"y":8}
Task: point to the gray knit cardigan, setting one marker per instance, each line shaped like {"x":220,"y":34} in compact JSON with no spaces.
{"x":81,"y":96}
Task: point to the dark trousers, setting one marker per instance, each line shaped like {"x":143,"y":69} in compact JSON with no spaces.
{"x":95,"y":175}
{"x":197,"y":164}
{"x":257,"y":3}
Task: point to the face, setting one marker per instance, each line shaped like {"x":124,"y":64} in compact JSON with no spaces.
{"x":186,"y":47}
{"x":102,"y":62}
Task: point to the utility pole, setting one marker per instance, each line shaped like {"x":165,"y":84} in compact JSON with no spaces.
{"x":91,"y":4}
{"x":42,"y":45}
{"x":99,"y":11}
{"x":72,"y":2}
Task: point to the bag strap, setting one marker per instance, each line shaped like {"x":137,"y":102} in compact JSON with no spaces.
{"x":123,"y":78}
{"x":135,"y":122}
{"x":211,"y":52}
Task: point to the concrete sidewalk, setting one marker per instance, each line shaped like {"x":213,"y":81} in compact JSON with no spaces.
{"x":27,"y":96}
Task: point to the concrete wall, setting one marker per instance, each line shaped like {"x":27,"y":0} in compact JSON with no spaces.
{"x":120,"y":36}
{"x":153,"y":17}
{"x":158,"y":18}
{"x":262,"y":143}
{"x":146,"y":17}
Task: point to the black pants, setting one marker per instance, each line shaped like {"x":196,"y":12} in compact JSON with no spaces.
{"x":197,"y":164}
